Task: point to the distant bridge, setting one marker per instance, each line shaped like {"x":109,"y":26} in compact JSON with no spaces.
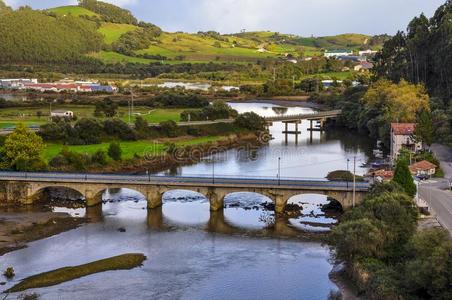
{"x":25,"y":188}
{"x":310,"y":117}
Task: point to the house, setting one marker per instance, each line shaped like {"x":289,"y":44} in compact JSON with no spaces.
{"x":423,"y":168}
{"x":367,"y":52}
{"x":15,"y":83}
{"x":381,"y":175}
{"x":337,"y":53}
{"x":62,"y":114}
{"x":363,"y":66}
{"x":402,"y":137}
{"x":354,"y":58}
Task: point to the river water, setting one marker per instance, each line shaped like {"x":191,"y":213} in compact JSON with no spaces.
{"x":243,"y":252}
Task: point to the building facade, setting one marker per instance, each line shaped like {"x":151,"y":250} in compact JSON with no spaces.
{"x":402,"y":137}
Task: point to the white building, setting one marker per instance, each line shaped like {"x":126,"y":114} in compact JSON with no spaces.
{"x":337,"y":53}
{"x":402,"y":137}
{"x":62,"y":114}
{"x":367,"y":52}
{"x":16,"y":83}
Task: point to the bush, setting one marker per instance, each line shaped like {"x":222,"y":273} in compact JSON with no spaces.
{"x":114,"y":151}
{"x":120,"y":129}
{"x":88,"y":131}
{"x":169,"y":128}
{"x":100,"y":158}
{"x":250,"y":121}
{"x":9,"y":273}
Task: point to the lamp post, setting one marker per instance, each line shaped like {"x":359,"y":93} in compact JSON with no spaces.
{"x":354,"y":181}
{"x":279,"y":170}
{"x":213,"y":169}
{"x":450,"y":183}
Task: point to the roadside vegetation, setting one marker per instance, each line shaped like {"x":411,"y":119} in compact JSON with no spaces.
{"x":386,"y":256}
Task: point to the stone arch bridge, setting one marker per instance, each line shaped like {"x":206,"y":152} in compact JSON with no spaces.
{"x":26,"y":188}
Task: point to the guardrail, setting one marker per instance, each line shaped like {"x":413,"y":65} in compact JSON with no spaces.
{"x":325,"y":114}
{"x":175,"y":180}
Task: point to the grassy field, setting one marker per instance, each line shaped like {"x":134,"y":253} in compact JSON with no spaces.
{"x":112,"y":32}
{"x":129,"y":149}
{"x":73,"y":10}
{"x":10,"y":117}
{"x":121,"y":262}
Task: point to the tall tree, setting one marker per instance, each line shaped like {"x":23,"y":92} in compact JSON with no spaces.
{"x":402,"y":176}
{"x":424,"y":128}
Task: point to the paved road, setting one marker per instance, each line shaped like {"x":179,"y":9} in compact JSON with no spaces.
{"x":436,"y":193}
{"x":284,"y":183}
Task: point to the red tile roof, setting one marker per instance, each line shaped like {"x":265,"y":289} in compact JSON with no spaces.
{"x":422,"y":166}
{"x":383,"y":174}
{"x":403,"y":128}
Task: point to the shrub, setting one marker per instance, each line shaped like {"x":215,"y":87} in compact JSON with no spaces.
{"x":169,"y":128}
{"x":9,"y":273}
{"x":114,"y":151}
{"x":100,"y":158}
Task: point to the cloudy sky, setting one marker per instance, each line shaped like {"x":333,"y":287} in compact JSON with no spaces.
{"x":303,"y":17}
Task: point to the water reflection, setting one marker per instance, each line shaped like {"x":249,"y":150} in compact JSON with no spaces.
{"x":244,"y":213}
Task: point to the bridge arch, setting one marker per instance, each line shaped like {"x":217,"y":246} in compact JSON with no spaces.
{"x":37,"y":192}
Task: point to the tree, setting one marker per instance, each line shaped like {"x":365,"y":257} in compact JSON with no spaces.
{"x":169,"y":128}
{"x":141,"y":126}
{"x":250,"y":121}
{"x":424,"y":128}
{"x":402,"y":176}
{"x":357,"y":239}
{"x":114,"y":151}
{"x":22,"y":150}
{"x":88,"y":131}
{"x":106,"y":107}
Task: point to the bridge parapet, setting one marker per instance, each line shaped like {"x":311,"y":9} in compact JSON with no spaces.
{"x":25,"y":189}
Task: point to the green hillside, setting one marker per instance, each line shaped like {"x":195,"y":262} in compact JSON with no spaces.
{"x":112,"y":32}
{"x":76,"y":11}
{"x":125,"y":39}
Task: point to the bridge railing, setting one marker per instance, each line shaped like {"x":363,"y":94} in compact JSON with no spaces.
{"x":201,"y":178}
{"x":333,"y":113}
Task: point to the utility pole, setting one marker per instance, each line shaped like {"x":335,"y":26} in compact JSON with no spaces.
{"x":354,"y":181}
{"x":130,"y":114}
{"x":213,"y":168}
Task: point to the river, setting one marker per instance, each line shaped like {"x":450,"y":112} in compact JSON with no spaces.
{"x":243,"y":252}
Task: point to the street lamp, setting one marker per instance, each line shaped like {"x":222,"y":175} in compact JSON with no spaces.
{"x":279,"y":170}
{"x":354,"y":181}
{"x":450,"y":183}
{"x":213,"y":168}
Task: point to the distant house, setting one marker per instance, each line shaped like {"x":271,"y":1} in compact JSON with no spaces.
{"x":354,"y":58}
{"x":15,"y":83}
{"x":423,"y":168}
{"x":62,"y":114}
{"x":337,"y":53}
{"x":363,"y":66}
{"x":381,"y":175}
{"x":402,"y":137}
{"x":367,"y":52}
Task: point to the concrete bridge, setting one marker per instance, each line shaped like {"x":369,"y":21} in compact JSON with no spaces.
{"x":26,"y":188}
{"x":320,"y":117}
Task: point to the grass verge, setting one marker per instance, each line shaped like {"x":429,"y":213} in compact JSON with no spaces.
{"x":121,"y":262}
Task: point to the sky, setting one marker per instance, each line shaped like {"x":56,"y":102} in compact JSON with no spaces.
{"x":301,"y":17}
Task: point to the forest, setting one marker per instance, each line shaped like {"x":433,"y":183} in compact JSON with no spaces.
{"x":423,"y":55}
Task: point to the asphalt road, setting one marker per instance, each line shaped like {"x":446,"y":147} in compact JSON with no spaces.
{"x":284,"y":183}
{"x":436,"y":194}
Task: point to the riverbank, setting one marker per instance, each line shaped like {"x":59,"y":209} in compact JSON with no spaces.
{"x":19,"y":227}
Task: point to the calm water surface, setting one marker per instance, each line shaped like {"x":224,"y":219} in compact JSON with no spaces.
{"x":243,"y":252}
